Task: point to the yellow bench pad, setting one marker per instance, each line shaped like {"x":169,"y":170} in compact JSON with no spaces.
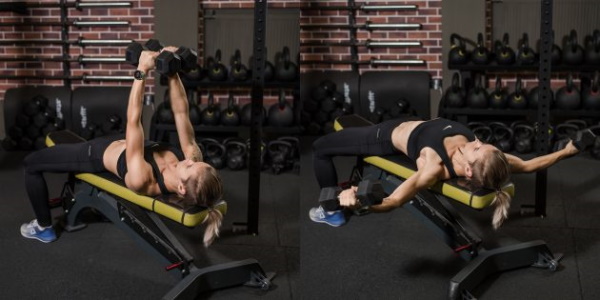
{"x":163,"y":205}
{"x":403,"y":167}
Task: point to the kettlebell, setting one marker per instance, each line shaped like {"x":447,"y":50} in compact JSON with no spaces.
{"x":504,"y":54}
{"x":483,"y":133}
{"x":572,"y":51}
{"x":279,"y":153}
{"x":592,"y":48}
{"x":591,"y":96}
{"x":236,"y":153}
{"x":216,"y":70}
{"x":285,"y":69}
{"x":477,"y":96}
{"x":455,"y":94}
{"x":211,"y":115}
{"x":534,"y":97}
{"x":214,"y":153}
{"x":458,"y":53}
{"x":194,"y":110}
{"x":498,"y":97}
{"x":481,"y":54}
{"x":525,"y":56}
{"x":230,"y":115}
{"x":524,"y":136}
{"x":502,"y":135}
{"x":281,"y":114}
{"x":269,"y":69}
{"x":517,"y":99}
{"x":246,"y":114}
{"x":238,"y":71}
{"x":568,"y":96}
{"x":164,"y":114}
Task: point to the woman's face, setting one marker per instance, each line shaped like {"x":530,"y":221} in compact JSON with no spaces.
{"x":475,"y":150}
{"x":188,"y":168}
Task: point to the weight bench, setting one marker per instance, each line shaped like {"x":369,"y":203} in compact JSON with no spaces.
{"x":138,"y":216}
{"x":433,"y":207}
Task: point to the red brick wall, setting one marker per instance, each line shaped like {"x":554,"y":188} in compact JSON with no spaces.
{"x":140,"y":15}
{"x":428,"y":14}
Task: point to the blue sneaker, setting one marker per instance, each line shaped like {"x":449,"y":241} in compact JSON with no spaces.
{"x":33,"y":230}
{"x":332,"y":218}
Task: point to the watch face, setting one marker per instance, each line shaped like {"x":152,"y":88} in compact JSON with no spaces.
{"x":139,"y":75}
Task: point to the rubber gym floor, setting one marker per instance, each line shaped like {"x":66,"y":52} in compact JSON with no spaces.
{"x":380,"y":256}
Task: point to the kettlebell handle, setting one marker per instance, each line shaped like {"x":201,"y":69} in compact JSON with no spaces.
{"x":518,"y":86}
{"x":505,"y":40}
{"x":595,"y":82}
{"x":273,"y":144}
{"x":525,"y":41}
{"x":285,"y":56}
{"x":498,"y":84}
{"x":281,"y":100}
{"x":529,"y":131}
{"x":218,"y":56}
{"x":569,"y":81}
{"x":573,"y":40}
{"x":453,"y":41}
{"x":455,"y":81}
{"x":237,"y":144}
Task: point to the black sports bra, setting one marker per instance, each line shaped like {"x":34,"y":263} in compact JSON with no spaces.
{"x":149,"y":148}
{"x":431,"y":134}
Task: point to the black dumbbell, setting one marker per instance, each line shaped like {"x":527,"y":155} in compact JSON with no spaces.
{"x":369,"y":192}
{"x":167,"y":63}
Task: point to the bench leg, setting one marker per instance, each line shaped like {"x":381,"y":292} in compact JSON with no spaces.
{"x":528,"y":254}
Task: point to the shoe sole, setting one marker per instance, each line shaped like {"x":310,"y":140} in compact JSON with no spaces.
{"x":37,"y":238}
{"x":325,"y":222}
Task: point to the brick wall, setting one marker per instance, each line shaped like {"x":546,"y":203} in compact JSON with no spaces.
{"x":140,"y":16}
{"x":428,"y":14}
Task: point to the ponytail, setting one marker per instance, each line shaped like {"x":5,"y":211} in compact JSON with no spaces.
{"x":502,"y":204}
{"x":213,"y":223}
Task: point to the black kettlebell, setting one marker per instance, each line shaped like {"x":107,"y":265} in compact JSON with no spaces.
{"x":214,"y":153}
{"x":246,"y":114}
{"x":238,"y":71}
{"x":285,"y":69}
{"x":504,"y":54}
{"x":523,"y":138}
{"x":568,"y":96}
{"x":215,"y":68}
{"x":518,"y":98}
{"x":194,"y":110}
{"x":164,"y":114}
{"x":477,"y":96}
{"x":498,"y":97}
{"x":503,"y":136}
{"x":525,"y":55}
{"x":481,"y":54}
{"x":483,"y":133}
{"x":279,"y":154}
{"x":572,"y":51}
{"x":592,"y":48}
{"x":281,"y":114}
{"x":230,"y":115}
{"x":458,"y":52}
{"x":211,"y":115}
{"x":455,"y":94}
{"x":534,"y":97}
{"x":591,"y":96}
{"x":236,"y":153}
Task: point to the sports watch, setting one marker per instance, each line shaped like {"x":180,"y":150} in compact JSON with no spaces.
{"x":139,"y":75}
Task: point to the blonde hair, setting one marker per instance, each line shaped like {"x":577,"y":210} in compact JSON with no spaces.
{"x":493,"y":172}
{"x":206,"y":190}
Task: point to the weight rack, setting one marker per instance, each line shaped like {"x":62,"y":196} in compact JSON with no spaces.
{"x":353,"y":28}
{"x":65,"y":23}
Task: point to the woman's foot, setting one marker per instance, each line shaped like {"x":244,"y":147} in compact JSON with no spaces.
{"x":33,"y":230}
{"x":332,"y":218}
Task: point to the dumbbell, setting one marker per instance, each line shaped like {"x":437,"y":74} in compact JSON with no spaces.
{"x":582,"y":139}
{"x":369,"y":192}
{"x":167,"y":63}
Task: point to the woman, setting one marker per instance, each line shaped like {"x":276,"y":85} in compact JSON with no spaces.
{"x":442,"y":149}
{"x":145,"y":167}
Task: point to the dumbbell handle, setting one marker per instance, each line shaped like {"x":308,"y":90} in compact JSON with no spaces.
{"x":368,"y":193}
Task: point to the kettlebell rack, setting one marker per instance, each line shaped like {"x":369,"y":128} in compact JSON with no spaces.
{"x":543,"y":67}
{"x":22,"y":8}
{"x":353,"y":41}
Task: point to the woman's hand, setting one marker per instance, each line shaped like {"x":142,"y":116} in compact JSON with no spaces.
{"x":348,"y":197}
{"x":570,"y":149}
{"x":146,"y":62}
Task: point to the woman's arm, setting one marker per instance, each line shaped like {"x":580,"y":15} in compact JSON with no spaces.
{"x":181,"y":112}
{"x":518,"y":165}
{"x":139,"y":172}
{"x":422,"y":179}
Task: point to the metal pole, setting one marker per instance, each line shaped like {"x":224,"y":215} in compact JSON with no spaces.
{"x":543,"y":112}
{"x":258,"y":84}
{"x":80,"y":42}
{"x":68,"y":23}
{"x":64,"y":35}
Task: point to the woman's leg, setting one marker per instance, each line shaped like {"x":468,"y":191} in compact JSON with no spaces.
{"x":355,"y":141}
{"x":81,"y":157}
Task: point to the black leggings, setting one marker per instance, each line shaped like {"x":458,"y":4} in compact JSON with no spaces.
{"x":62,"y":158}
{"x":353,"y":141}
